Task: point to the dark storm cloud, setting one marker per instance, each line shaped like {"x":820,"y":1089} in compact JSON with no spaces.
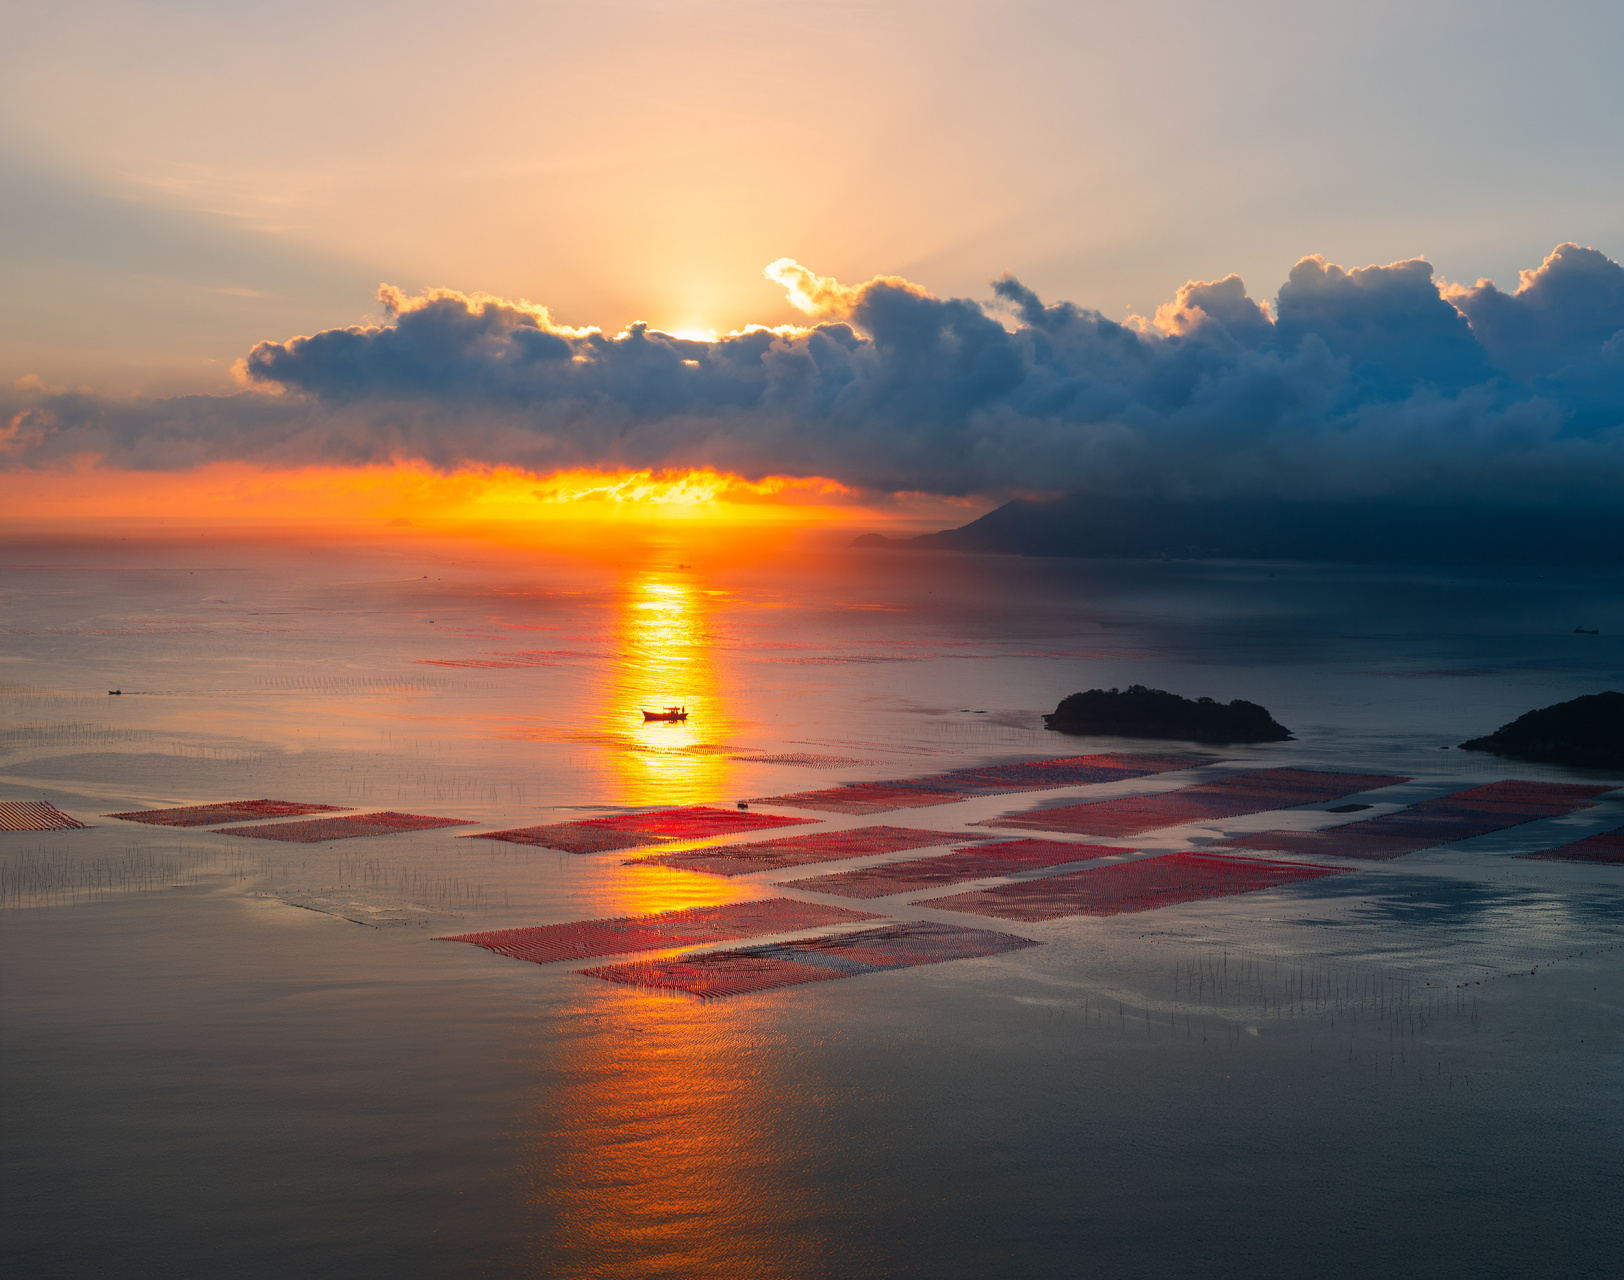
{"x":1363,"y":383}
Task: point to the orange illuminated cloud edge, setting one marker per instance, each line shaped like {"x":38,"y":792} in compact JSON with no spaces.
{"x":413,"y":493}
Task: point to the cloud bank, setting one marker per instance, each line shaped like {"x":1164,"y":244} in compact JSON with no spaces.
{"x":1355,"y":384}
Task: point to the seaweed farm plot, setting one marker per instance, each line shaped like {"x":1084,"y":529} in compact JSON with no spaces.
{"x":1072,"y":771}
{"x":1474,"y":812}
{"x":35,"y":815}
{"x":1606,"y":848}
{"x":795,"y":851}
{"x":1143,"y":885}
{"x":1245,"y":793}
{"x":693,"y":926}
{"x":317,"y":830}
{"x":1001,"y":859}
{"x":862,"y":798}
{"x":206,"y":815}
{"x":805,"y":760}
{"x":634,"y":830}
{"x":709,"y":974}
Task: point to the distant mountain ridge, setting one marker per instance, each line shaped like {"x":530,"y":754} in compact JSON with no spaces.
{"x":1088,"y":526}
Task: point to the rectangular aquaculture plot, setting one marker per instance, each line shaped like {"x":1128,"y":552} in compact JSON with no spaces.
{"x":861,"y":798}
{"x":1244,"y":793}
{"x":1001,"y":859}
{"x":316,"y":830}
{"x":1142,"y":885}
{"x":690,"y":927}
{"x":570,"y":837}
{"x":709,"y":974}
{"x":795,"y":851}
{"x":964,"y":784}
{"x":35,"y":815}
{"x":1474,"y":812}
{"x":1072,"y":771}
{"x":207,"y":815}
{"x":1608,"y":847}
{"x":634,"y":830}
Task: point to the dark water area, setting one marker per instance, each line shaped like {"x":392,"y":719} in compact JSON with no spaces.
{"x":228,"y":1056}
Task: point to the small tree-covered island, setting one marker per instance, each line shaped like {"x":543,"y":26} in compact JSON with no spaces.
{"x":1583,"y":731}
{"x":1139,"y":712}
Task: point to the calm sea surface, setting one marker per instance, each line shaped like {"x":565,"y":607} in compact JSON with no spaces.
{"x":233,"y":1057}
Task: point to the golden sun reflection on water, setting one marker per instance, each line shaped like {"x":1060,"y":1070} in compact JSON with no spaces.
{"x":674,"y":1139}
{"x":664,"y":656}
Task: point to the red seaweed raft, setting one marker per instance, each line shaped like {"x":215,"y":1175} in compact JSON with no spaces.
{"x":1245,"y":793}
{"x":1141,"y":885}
{"x":35,"y":815}
{"x":693,"y":926}
{"x":1474,"y":812}
{"x":633,"y":830}
{"x":317,"y":830}
{"x":957,"y":867}
{"x":206,"y":815}
{"x":964,"y":784}
{"x":709,"y":974}
{"x":795,"y":851}
{"x":1606,"y":848}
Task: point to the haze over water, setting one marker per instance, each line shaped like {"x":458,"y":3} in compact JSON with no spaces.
{"x":240,"y":1057}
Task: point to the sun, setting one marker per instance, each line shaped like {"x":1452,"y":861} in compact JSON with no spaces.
{"x":691,"y":333}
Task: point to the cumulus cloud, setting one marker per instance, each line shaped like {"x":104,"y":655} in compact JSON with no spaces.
{"x":1378,"y":381}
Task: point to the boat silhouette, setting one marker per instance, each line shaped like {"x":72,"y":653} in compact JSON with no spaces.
{"x":670,"y":713}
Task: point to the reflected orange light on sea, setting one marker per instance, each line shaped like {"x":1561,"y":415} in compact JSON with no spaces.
{"x":664,"y":656}
{"x":671,"y":1147}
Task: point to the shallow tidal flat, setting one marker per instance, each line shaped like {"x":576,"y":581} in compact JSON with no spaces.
{"x":251,"y":1057}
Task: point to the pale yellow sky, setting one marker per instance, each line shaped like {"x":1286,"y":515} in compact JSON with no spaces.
{"x":186,"y":178}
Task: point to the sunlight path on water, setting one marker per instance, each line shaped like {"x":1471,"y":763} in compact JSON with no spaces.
{"x":665,"y":656}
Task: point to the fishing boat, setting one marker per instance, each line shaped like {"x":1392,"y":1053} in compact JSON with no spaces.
{"x":670,"y":713}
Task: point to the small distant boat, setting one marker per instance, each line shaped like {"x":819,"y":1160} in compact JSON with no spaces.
{"x":1580,"y":631}
{"x":670,"y":713}
{"x":114,"y":693}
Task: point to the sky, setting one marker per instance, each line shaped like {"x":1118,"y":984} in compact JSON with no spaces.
{"x":187,"y":188}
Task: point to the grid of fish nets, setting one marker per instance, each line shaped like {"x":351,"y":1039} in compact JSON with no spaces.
{"x":207,"y":815}
{"x":962,"y":784}
{"x":710,"y":974}
{"x":317,"y":830}
{"x":692,"y":926}
{"x":1459,"y":816}
{"x":1608,"y":847}
{"x":863,"y":798}
{"x":34,"y":815}
{"x":635,"y":830}
{"x":1073,"y":771}
{"x":806,"y":760}
{"x":1005,"y":858}
{"x":1255,"y":792}
{"x":795,"y":851}
{"x":1142,"y":885}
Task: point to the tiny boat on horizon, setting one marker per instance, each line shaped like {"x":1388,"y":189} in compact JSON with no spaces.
{"x":670,"y":713}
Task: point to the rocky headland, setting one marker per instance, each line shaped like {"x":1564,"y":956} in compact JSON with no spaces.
{"x":1586,"y":731}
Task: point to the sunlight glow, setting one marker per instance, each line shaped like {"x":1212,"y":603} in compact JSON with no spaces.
{"x":664,"y":645}
{"x":415,"y":494}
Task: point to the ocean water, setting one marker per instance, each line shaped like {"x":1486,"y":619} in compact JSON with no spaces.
{"x":235,"y":1057}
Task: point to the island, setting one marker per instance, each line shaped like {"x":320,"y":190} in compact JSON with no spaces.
{"x":1138,"y":712}
{"x":1093,"y":526}
{"x":1585,"y":731}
